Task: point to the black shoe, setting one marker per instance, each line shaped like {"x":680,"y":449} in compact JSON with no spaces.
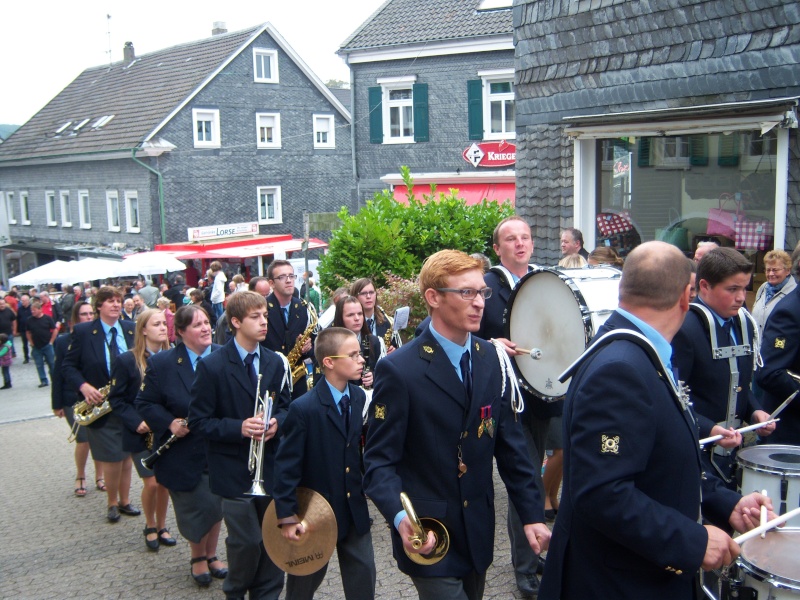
{"x":528,"y":584}
{"x":151,"y":544}
{"x":165,"y":538}
{"x":6,"y":387}
{"x":129,"y":510}
{"x":43,"y":384}
{"x":204,"y":579}
{"x":217,"y":573}
{"x":26,"y":361}
{"x":113,"y":513}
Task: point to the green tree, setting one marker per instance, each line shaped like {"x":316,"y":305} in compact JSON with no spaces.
{"x":388,"y":237}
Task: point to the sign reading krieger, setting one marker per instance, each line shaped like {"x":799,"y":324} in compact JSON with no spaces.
{"x":491,"y":154}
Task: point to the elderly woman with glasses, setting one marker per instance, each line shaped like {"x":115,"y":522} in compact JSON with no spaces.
{"x":778,"y":268}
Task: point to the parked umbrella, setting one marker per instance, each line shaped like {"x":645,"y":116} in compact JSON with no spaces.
{"x":150,"y":263}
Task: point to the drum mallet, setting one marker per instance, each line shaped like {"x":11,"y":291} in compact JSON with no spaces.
{"x":763,"y":513}
{"x":783,"y":405}
{"x":535,"y":353}
{"x":753,"y":427}
{"x":766,"y":526}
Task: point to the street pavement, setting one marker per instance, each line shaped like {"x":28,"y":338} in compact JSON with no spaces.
{"x":56,"y":545}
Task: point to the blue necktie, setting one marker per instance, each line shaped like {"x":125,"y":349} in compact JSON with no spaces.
{"x":344,"y":404}
{"x":251,"y":370}
{"x":466,"y":374}
{"x":113,"y":347}
{"x":286,"y":315}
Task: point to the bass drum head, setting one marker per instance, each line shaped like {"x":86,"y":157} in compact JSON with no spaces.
{"x":544,"y":314}
{"x":774,"y":559}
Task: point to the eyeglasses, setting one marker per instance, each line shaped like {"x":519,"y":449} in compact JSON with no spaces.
{"x":287,"y":277}
{"x":367,"y":294}
{"x":469,"y":293}
{"x":352,"y":356}
{"x":776,"y":270}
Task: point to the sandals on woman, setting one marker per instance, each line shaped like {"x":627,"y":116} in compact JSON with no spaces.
{"x":101,"y":484}
{"x":80,"y":491}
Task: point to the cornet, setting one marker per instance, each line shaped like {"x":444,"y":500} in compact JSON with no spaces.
{"x":256,"y":456}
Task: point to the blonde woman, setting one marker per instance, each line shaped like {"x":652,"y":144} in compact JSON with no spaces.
{"x":126,"y":377}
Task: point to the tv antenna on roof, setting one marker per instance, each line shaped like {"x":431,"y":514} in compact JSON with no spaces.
{"x":108,"y":31}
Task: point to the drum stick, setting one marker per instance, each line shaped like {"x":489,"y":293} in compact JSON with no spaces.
{"x":535,"y":353}
{"x":753,"y":427}
{"x":766,"y":526}
{"x":763,"y":514}
{"x":783,"y":405}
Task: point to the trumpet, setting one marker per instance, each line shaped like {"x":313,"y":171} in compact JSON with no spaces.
{"x":256,"y":456}
{"x":421,"y":535}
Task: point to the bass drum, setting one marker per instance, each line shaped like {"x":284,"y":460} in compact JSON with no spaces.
{"x":557,"y":312}
{"x":771,"y":566}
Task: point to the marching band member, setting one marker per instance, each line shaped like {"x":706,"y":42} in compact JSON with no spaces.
{"x":127,"y":374}
{"x":441,"y":415}
{"x":93,"y":348}
{"x":350,"y":315}
{"x":288,"y":319}
{"x":221,"y":412}
{"x":328,"y":420}
{"x":378,"y":322}
{"x":163,"y":401}
{"x":64,"y":398}
{"x":627,"y":527}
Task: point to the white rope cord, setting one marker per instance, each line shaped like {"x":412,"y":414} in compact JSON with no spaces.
{"x":508,"y":374}
{"x":287,"y":373}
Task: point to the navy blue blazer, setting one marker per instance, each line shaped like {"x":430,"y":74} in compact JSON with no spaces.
{"x":418,"y":415}
{"x":85,"y":360}
{"x":125,"y":382}
{"x":282,"y":337}
{"x":61,"y":394}
{"x":627,"y":524}
{"x":315,"y":452}
{"x":779,"y":349}
{"x":222,"y":397}
{"x":493,"y":326}
{"x":163,"y":397}
{"x":709,"y":379}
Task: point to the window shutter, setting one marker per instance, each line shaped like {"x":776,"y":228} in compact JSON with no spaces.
{"x":475,"y":108}
{"x":645,"y":144}
{"x":728,"y":150}
{"x":375,"y":115}
{"x":420,"y":94}
{"x":698,"y":150}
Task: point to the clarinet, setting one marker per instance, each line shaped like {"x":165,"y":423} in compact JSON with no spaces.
{"x":149,"y":461}
{"x":365,"y":352}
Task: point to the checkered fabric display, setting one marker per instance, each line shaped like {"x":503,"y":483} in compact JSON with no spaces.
{"x":613,"y":223}
{"x":753,"y":235}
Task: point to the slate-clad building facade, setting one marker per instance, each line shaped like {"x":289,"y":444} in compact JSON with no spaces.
{"x":233,"y":128}
{"x":647,"y":120}
{"x":429,"y":79}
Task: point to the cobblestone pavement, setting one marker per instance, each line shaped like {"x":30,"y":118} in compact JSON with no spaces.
{"x":57,"y":546}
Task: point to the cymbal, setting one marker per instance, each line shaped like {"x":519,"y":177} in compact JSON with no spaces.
{"x":316,"y":545}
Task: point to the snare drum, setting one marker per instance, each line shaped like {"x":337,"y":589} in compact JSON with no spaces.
{"x":771,"y":566}
{"x":557,"y":312}
{"x":775,"y":468}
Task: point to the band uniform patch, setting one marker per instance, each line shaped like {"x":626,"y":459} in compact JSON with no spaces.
{"x":780,"y":343}
{"x":380,"y":411}
{"x":428,"y":349}
{"x":609,"y":444}
{"x":180,"y":360}
{"x":141,"y":387}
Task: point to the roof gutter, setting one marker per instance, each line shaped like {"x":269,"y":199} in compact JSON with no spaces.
{"x":160,"y":194}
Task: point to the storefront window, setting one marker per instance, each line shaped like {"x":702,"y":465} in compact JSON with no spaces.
{"x":687,"y":188}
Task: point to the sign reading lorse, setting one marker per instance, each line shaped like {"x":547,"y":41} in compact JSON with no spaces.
{"x":491,"y":154}
{"x":222,"y":231}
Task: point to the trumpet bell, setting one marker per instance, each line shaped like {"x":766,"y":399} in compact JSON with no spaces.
{"x":442,"y":543}
{"x":257,"y":489}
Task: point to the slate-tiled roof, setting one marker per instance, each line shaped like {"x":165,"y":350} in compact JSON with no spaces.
{"x":139,"y":95}
{"x":399,"y":22}
{"x":342,"y":95}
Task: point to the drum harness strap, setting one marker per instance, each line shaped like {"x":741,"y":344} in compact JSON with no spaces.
{"x":731,"y":353}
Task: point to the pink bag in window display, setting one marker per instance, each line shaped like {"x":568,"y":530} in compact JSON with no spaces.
{"x":613,"y":223}
{"x":721,"y":221}
{"x":754,"y":235}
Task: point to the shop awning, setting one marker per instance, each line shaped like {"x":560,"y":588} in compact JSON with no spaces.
{"x":472,"y":193}
{"x":760,"y":115}
{"x":264,"y":249}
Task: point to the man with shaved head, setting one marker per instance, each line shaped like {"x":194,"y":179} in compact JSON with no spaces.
{"x":628,"y":525}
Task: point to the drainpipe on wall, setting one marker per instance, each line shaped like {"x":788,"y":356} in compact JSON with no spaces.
{"x":160,"y":194}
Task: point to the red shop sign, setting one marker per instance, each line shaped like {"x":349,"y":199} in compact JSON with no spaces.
{"x":491,"y":154}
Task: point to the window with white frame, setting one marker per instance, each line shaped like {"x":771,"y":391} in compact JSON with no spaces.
{"x":11,"y":210}
{"x":66,"y":217}
{"x":265,"y":65}
{"x":672,"y":151}
{"x":50,"y":208}
{"x":268,"y":130}
{"x":498,"y":104}
{"x":269,"y":205}
{"x":84,"y":214}
{"x":206,"y":128}
{"x":132,"y":211}
{"x":24,"y":209}
{"x":112,"y":210}
{"x":324,"y":131}
{"x":399,"y":114}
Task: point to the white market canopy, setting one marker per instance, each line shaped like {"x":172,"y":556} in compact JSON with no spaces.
{"x":149,"y":263}
{"x":51,"y":272}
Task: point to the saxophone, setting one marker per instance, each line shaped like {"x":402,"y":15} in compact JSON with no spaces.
{"x":390,"y":333}
{"x":295,"y":355}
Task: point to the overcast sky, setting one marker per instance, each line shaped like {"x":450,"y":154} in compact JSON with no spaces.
{"x":45,"y":45}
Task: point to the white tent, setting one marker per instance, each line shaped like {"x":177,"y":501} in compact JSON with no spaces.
{"x":89,"y":269}
{"x":52,"y":272}
{"x":150,"y":263}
